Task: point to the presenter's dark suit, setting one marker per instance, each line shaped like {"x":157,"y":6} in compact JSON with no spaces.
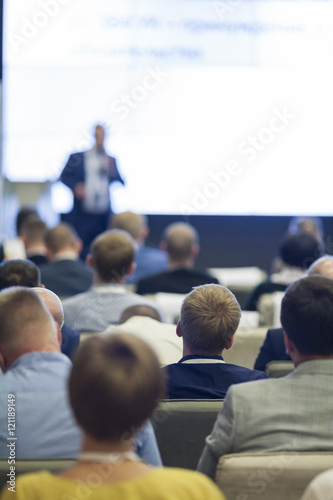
{"x":192,"y":378}
{"x":273,"y":349}
{"x":174,"y":281}
{"x":66,"y":277}
{"x":88,"y":225}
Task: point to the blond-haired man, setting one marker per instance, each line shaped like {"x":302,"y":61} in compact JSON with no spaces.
{"x":209,"y":318}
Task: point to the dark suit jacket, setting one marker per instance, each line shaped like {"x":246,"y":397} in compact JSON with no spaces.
{"x":175,"y":281}
{"x":205,"y":380}
{"x":74,"y":172}
{"x":273,"y":349}
{"x":262,"y":288}
{"x":38,"y":259}
{"x":66,"y":277}
{"x":70,"y":340}
{"x":88,"y":225}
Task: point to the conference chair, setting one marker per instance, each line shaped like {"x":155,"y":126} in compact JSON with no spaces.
{"x":269,"y":476}
{"x":276,"y":369}
{"x":246,"y":346}
{"x":181,"y":427}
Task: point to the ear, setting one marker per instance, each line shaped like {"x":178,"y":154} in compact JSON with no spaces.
{"x":289,"y":344}
{"x":131,"y":269}
{"x":3,"y":361}
{"x":195,"y":249}
{"x":179,"y":330}
{"x":59,"y":336}
{"x":78,"y":245}
{"x":229,"y":343}
{"x":89,"y":261}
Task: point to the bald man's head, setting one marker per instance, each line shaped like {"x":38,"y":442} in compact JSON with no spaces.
{"x":323,"y":266}
{"x":52,"y":303}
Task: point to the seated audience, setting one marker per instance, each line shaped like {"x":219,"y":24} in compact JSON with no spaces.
{"x":148,"y":260}
{"x":20,"y":272}
{"x":114,"y":386}
{"x":273,"y":348}
{"x":111,"y":258}
{"x":145,"y":322}
{"x":209,"y":318}
{"x":33,"y":234}
{"x":66,"y":274}
{"x":36,"y":373}
{"x":293,"y":412}
{"x":321,"y":487}
{"x":297,"y":252}
{"x":181,"y":242}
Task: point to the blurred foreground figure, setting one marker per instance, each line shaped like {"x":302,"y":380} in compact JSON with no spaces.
{"x":115,"y":385}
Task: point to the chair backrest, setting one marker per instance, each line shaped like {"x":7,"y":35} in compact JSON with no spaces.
{"x":246,"y":346}
{"x":169,"y":304}
{"x":270,"y":476}
{"x":24,"y":466}
{"x":276,"y":369}
{"x":181,"y":427}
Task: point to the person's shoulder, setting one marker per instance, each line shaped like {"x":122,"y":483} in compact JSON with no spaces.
{"x":246,"y":373}
{"x":77,"y":299}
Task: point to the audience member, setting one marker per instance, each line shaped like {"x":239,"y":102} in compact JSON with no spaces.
{"x":293,"y":412}
{"x":145,"y":322}
{"x":66,"y":274}
{"x":148,"y":260}
{"x":70,"y":337}
{"x":114,"y":388}
{"x":301,"y":225}
{"x":36,"y":373}
{"x":181,"y":242}
{"x":273,"y":348}
{"x":33,"y":234}
{"x":22,"y":216}
{"x":209,"y":318}
{"x":20,"y":272}
{"x":297,"y":252}
{"x":111,"y":258}
{"x":321,"y":487}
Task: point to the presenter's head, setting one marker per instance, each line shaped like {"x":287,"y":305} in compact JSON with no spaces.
{"x":99,"y":137}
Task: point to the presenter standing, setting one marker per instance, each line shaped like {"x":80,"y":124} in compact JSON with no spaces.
{"x":89,"y":174}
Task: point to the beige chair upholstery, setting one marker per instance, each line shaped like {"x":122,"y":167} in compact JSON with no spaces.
{"x":181,"y":427}
{"x":246,"y":346}
{"x":276,"y":369}
{"x":270,"y":476}
{"x":23,"y":466}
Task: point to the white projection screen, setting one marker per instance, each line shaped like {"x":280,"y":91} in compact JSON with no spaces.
{"x":211,"y":107}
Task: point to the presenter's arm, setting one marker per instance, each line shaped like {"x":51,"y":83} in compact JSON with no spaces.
{"x":73,"y":172}
{"x":114,"y":172}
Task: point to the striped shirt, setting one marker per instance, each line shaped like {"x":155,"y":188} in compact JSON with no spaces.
{"x":99,"y":307}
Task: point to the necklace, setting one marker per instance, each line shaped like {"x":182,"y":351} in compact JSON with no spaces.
{"x":113,"y":458}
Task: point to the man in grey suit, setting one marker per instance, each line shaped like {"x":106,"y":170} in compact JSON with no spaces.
{"x":293,"y":413}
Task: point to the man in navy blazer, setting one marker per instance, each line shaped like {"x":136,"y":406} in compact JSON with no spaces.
{"x":209,"y":318}
{"x":88,"y":174}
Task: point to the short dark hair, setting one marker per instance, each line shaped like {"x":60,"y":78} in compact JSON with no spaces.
{"x":23,"y":214}
{"x":19,"y":272}
{"x":112,"y":254}
{"x":307,"y":315}
{"x":300,"y":250}
{"x":115,"y":385}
